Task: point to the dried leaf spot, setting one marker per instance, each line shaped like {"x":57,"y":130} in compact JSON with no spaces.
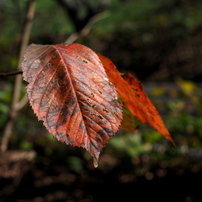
{"x":49,"y":64}
{"x":54,"y":56}
{"x":89,"y":102}
{"x":116,"y":115}
{"x":48,"y":102}
{"x":100,"y":117}
{"x":36,"y":64}
{"x":99,"y":91}
{"x":93,"y":114}
{"x":93,"y":106}
{"x":104,"y":110}
{"x":85,"y":61}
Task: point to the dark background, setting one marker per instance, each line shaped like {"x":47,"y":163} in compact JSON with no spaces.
{"x":160,"y":42}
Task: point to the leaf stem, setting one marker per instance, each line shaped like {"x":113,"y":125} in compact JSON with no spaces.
{"x":2,"y":74}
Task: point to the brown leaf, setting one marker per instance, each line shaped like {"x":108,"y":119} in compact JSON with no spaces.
{"x":69,"y":91}
{"x":131,"y":91}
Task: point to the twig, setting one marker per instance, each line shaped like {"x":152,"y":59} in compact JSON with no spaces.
{"x":9,"y":74}
{"x":22,"y":103}
{"x":85,"y":31}
{"x":18,"y":80}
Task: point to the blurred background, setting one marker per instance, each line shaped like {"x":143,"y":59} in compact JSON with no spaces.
{"x":160,"y":42}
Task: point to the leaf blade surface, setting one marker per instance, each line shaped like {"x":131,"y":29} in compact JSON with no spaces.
{"x":69,"y":91}
{"x":131,"y":91}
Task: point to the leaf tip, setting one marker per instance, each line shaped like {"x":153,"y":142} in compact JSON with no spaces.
{"x":173,"y":142}
{"x":95,"y":162}
{"x":168,"y":137}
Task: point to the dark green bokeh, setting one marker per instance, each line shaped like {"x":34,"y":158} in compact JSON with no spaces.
{"x":158,"y":41}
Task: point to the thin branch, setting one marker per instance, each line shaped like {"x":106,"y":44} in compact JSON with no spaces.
{"x":85,"y":31}
{"x":18,"y":81}
{"x":2,"y":75}
{"x":22,"y":103}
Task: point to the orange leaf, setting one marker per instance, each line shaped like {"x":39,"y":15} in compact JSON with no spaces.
{"x":69,"y":91}
{"x":131,"y":91}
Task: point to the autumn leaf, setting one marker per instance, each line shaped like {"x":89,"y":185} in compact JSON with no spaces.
{"x":131,"y":91}
{"x":69,"y":91}
{"x":73,"y":91}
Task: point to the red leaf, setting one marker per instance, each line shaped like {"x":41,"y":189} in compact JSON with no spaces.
{"x":69,"y":90}
{"x":131,"y":91}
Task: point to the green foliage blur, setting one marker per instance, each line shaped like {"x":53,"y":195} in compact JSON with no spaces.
{"x":158,"y":41}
